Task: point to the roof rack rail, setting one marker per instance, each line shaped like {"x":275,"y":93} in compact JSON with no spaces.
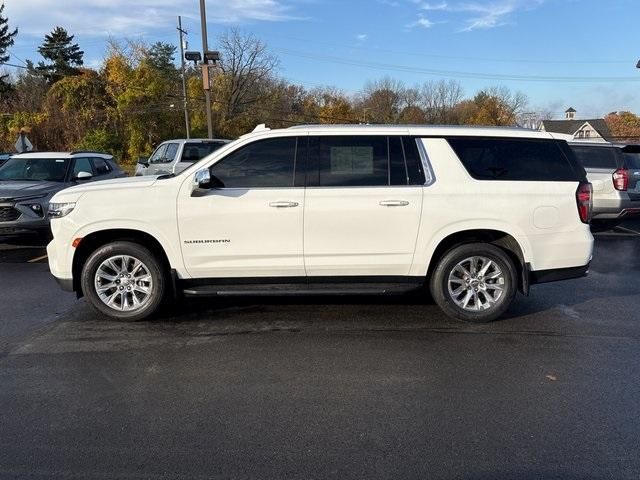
{"x":75,"y":152}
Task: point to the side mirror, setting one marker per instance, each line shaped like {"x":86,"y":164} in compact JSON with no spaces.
{"x":144,"y":161}
{"x":83,"y":176}
{"x":203,"y":180}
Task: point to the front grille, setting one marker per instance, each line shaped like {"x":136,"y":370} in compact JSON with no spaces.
{"x":8,"y":214}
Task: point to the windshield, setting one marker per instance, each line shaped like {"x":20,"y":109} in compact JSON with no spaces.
{"x":35,"y":169}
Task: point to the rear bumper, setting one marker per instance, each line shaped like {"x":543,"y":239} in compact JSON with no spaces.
{"x":557,"y":274}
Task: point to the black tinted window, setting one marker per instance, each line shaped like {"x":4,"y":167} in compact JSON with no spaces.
{"x":414,"y":164}
{"x":597,"y":157}
{"x":266,"y":163}
{"x":101,"y":166}
{"x":398,"y":168}
{"x":513,"y":159}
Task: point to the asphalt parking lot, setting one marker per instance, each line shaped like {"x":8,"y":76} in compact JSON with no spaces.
{"x":324,"y":388}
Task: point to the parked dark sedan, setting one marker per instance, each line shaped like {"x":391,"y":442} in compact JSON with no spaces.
{"x":29,"y":180}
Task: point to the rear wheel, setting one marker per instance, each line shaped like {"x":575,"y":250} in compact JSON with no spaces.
{"x":124,"y":281}
{"x":474,"y":282}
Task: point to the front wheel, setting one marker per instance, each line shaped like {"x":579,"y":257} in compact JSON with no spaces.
{"x":124,"y":281}
{"x":474,"y":282}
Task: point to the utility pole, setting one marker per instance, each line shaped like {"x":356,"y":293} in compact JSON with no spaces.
{"x":205,"y":66}
{"x":181,"y":34}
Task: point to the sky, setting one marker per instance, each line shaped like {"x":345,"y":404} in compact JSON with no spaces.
{"x":560,"y":53}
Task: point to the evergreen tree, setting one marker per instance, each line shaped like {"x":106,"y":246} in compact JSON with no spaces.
{"x":6,"y":40}
{"x":62,"y":54}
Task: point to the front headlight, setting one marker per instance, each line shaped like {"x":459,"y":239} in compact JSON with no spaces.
{"x":59,"y":210}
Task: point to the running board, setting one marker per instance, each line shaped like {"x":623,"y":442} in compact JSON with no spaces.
{"x":253,"y":290}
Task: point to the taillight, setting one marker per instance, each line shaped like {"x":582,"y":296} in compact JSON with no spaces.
{"x":621,"y":179}
{"x":584,"y":198}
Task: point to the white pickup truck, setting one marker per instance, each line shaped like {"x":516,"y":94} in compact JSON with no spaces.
{"x":174,"y":156}
{"x":474,"y":214}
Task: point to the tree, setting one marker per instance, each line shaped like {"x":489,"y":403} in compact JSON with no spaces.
{"x":63,"y":55}
{"x":7,"y":38}
{"x":246,"y":69}
{"x":382,"y":100}
{"x":495,"y":106}
{"x":624,"y":126}
{"x":439,"y":100}
{"x":161,"y":56}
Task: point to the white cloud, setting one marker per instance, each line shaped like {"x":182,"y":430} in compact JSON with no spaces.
{"x":493,"y":14}
{"x":433,"y":6}
{"x":421,"y":22}
{"x":361,"y":37}
{"x":130,"y":17}
{"x":480,"y":14}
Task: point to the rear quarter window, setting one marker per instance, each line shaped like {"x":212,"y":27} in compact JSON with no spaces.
{"x":597,"y":157}
{"x":515,"y":159}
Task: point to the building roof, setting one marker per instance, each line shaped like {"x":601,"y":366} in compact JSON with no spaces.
{"x":570,"y":110}
{"x":570,"y":127}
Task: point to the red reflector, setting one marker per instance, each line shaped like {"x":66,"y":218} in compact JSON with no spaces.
{"x":621,"y":179}
{"x":585,"y":202}
{"x":76,"y":242}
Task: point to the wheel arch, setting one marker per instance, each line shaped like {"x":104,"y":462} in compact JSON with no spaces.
{"x":505,"y":241}
{"x":96,"y":239}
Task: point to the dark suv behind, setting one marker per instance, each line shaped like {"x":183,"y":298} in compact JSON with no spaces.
{"x":29,"y":180}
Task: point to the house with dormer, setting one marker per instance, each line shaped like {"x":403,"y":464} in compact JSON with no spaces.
{"x":590,"y":130}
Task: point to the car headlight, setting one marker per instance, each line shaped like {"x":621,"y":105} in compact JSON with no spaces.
{"x":59,"y":210}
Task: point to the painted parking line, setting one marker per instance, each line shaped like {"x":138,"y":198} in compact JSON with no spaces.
{"x":37,"y":259}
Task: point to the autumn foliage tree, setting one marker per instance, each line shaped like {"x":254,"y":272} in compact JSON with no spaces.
{"x":624,"y":126}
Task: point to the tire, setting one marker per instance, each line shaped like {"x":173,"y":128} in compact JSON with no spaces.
{"x":129,"y":291}
{"x":490,"y":297}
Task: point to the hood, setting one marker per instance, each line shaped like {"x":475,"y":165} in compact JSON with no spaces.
{"x":115,"y":184}
{"x":15,"y":190}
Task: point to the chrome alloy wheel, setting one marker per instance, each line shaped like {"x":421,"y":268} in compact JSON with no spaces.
{"x":123,"y":283}
{"x":476,"y":284}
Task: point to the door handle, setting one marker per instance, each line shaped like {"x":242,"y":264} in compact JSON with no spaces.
{"x":283,"y":204}
{"x":394,"y":203}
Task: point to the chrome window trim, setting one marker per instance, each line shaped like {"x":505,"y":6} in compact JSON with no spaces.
{"x":429,"y":175}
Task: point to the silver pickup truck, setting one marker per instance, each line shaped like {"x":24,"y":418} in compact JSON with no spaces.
{"x":174,"y":156}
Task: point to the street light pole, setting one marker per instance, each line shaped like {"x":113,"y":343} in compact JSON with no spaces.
{"x":181,"y":32}
{"x":205,"y":64}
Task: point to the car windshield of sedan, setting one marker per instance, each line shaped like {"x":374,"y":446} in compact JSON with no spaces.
{"x":35,"y":169}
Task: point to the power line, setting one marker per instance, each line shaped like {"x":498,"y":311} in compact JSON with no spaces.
{"x":307,"y":41}
{"x":456,"y":74}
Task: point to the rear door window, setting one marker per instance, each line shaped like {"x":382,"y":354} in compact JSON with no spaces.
{"x":514,"y":159}
{"x":360,"y":161}
{"x":597,"y":157}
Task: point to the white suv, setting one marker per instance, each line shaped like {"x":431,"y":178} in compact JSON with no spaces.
{"x":474,"y":213}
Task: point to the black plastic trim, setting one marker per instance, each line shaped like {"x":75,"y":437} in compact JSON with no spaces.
{"x":558,"y":274}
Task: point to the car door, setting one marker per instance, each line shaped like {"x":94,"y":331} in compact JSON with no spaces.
{"x":362,"y":206}
{"x":162,"y":164}
{"x":252,"y":225}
